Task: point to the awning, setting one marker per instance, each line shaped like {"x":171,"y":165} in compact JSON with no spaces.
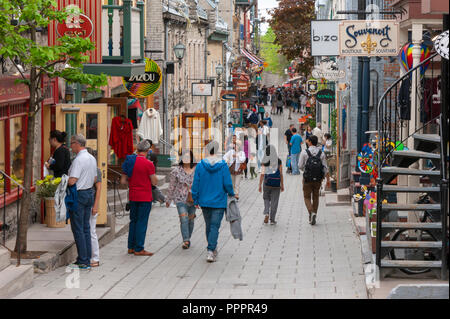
{"x":252,"y":57}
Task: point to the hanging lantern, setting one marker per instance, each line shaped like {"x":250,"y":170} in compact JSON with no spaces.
{"x":407,"y":59}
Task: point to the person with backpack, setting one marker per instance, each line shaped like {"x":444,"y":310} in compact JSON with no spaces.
{"x":235,"y":158}
{"x":313,"y":163}
{"x":279,"y":102}
{"x":272,"y":176}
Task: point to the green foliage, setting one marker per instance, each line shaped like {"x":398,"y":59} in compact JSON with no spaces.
{"x":333,"y":124}
{"x":19,"y":40}
{"x":270,"y":53}
{"x":291,"y":24}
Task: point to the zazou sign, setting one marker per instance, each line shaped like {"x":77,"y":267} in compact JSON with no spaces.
{"x":325,"y":37}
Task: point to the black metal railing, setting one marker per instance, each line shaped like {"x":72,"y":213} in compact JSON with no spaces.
{"x":444,"y":199}
{"x":115,"y":182}
{"x":397,"y":103}
{"x":4,"y":227}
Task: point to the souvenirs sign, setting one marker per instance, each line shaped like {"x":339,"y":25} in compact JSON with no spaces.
{"x":143,"y":85}
{"x":241,"y":86}
{"x":368,"y":38}
{"x":325,"y":96}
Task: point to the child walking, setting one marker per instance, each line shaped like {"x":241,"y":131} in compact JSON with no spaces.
{"x":252,"y":164}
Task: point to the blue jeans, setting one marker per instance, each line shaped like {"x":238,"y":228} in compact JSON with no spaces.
{"x":187,"y":214}
{"x":139,"y":212}
{"x":213,"y":218}
{"x":294,"y":163}
{"x":79,"y":223}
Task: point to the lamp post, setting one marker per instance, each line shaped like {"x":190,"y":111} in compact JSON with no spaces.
{"x":179,"y":50}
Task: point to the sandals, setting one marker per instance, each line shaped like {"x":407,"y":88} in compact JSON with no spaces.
{"x":186,"y":245}
{"x":95,"y":264}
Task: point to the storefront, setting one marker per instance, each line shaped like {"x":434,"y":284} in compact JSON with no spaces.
{"x":14,"y":104}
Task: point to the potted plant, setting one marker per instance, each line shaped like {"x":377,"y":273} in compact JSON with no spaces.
{"x":46,"y":189}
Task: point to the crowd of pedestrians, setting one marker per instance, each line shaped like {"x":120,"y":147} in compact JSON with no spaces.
{"x":211,"y":185}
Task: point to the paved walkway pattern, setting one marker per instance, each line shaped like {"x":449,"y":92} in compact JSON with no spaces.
{"x":289,"y":260}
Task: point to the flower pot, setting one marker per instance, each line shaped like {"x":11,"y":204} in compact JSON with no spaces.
{"x":50,"y":214}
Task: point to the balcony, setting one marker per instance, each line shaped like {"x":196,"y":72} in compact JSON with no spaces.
{"x":243,"y":2}
{"x":122,"y":41}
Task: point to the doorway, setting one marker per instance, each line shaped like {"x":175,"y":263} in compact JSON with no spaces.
{"x":89,"y":120}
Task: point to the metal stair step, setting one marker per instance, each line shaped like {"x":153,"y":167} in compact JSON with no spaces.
{"x":399,"y":225}
{"x":411,"y":263}
{"x":420,"y":207}
{"x":411,"y":244}
{"x":433,"y":138}
{"x":410,"y":189}
{"x":408,"y":171}
{"x":416,"y":154}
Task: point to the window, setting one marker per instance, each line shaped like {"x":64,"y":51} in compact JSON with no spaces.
{"x":13,"y":127}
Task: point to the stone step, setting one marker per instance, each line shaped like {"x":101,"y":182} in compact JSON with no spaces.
{"x":411,"y":264}
{"x":410,"y":189}
{"x":411,"y":244}
{"x":415,"y":207}
{"x":400,"y":225}
{"x":4,"y":258}
{"x":14,"y":280}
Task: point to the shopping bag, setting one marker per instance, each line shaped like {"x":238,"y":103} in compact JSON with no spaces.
{"x":288,"y":161}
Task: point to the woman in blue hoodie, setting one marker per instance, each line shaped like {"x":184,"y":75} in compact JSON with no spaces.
{"x":212,"y":183}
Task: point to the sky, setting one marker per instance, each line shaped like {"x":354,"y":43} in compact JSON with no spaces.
{"x":262,"y":5}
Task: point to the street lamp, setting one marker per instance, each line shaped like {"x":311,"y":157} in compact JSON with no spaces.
{"x":179,"y":51}
{"x":219,"y":70}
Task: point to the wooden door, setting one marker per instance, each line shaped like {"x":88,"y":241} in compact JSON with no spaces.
{"x":196,"y":124}
{"x":91,"y":121}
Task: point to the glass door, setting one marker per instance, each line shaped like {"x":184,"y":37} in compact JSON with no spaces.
{"x":90,"y":120}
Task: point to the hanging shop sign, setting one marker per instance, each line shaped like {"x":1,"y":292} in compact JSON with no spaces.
{"x":84,"y":20}
{"x":328,"y":69}
{"x":76,"y":24}
{"x":325,"y":96}
{"x":201,"y":89}
{"x":441,"y":44}
{"x":368,"y":38}
{"x":325,"y":37}
{"x":226,"y":95}
{"x":311,"y":86}
{"x":241,"y":86}
{"x":143,"y":85}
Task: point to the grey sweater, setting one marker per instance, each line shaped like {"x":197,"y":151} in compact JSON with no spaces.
{"x":233,"y":216}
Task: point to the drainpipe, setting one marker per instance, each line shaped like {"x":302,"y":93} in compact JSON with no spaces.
{"x":165,"y":93}
{"x":206,"y":64}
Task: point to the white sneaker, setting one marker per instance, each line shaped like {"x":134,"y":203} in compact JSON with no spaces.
{"x":216,"y":253}
{"x":210,"y":257}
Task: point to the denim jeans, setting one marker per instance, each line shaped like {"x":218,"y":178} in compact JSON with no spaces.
{"x":186,"y":214}
{"x":213,"y":218}
{"x":294,"y":163}
{"x":80,"y":225}
{"x":139,"y":212}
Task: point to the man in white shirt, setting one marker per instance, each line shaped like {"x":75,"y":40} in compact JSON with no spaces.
{"x":82,"y":174}
{"x":234,"y":158}
{"x":318,"y":132}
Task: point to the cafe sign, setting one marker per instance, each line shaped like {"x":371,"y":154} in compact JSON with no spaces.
{"x":368,"y":38}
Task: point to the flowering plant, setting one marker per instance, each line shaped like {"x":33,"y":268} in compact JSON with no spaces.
{"x":47,"y":186}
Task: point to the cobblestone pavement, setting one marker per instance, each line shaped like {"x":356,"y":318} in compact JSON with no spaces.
{"x":289,"y":260}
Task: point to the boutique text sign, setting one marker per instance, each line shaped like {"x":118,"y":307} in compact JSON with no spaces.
{"x":368,"y":38}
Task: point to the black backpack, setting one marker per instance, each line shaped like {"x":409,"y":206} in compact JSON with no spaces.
{"x":313,"y":168}
{"x":279,"y":97}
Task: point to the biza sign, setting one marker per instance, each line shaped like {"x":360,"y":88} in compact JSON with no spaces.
{"x":325,"y":37}
{"x":368,"y":38}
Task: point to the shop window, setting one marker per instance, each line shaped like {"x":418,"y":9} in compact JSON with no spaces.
{"x":16,"y":149}
{"x":12,"y":151}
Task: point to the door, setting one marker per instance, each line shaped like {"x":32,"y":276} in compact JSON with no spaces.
{"x":196,"y":124}
{"x":89,"y":120}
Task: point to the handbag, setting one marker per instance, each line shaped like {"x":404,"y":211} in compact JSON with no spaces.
{"x":242,"y":167}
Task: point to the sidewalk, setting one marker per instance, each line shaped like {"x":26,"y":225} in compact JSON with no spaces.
{"x":289,"y":260}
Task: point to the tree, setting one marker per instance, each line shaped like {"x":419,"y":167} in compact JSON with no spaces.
{"x":20,"y":20}
{"x":291,"y":24}
{"x":270,"y":53}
